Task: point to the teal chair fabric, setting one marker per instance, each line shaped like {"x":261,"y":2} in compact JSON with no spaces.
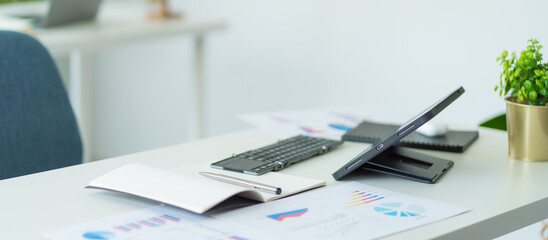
{"x":38,"y":130}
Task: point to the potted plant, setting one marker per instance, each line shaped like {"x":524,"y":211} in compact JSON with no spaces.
{"x":524,"y":84}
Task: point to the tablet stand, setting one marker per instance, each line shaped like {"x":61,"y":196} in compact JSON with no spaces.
{"x":406,"y":163}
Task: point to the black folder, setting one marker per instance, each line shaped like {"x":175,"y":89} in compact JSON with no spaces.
{"x":452,"y":141}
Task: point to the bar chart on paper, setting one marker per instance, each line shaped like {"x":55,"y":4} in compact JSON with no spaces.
{"x":150,"y":222}
{"x":360,"y":197}
{"x":159,"y":222}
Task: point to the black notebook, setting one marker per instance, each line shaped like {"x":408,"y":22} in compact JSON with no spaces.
{"x":452,"y":141}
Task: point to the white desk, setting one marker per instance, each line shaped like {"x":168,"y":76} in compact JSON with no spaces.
{"x":118,"y":24}
{"x":503,"y":194}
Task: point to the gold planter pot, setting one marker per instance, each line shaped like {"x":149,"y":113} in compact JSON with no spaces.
{"x":527,"y":131}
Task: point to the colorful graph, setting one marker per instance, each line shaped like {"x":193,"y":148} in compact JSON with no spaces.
{"x":100,"y":235}
{"x":398,"y":209}
{"x":358,"y":198}
{"x":311,"y":130}
{"x":340,"y":126}
{"x":345,"y":230}
{"x":281,"y":216}
{"x":236,"y":238}
{"x":151,"y":222}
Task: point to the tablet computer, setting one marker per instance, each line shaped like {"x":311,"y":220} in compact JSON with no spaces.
{"x":392,"y":139}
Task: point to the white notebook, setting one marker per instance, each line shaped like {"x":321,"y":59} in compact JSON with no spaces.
{"x":185,"y":188}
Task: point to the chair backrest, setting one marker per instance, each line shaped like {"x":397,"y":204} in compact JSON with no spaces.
{"x":38,"y":130}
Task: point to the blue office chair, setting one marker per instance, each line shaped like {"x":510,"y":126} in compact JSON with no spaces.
{"x":38,"y":130}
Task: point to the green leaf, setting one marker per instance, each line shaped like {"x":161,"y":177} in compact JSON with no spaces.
{"x":504,"y":54}
{"x":543,"y":91}
{"x":516,"y":72}
{"x":538,"y":72}
{"x":533,"y":95}
{"x":539,"y":83}
{"x":527,"y":84}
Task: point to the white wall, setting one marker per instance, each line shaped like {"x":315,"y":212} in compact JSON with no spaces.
{"x":141,"y":96}
{"x":294,"y":54}
{"x":401,"y":54}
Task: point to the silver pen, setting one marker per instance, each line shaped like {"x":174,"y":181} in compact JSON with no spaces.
{"x":243,"y":183}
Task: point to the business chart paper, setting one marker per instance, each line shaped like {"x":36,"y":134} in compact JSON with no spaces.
{"x":158,"y":222}
{"x":347,"y":211}
{"x":320,"y":122}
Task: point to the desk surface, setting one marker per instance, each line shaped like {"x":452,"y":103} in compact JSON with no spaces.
{"x":503,"y":194}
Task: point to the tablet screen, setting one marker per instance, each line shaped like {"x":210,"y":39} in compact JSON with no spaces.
{"x":392,"y":138}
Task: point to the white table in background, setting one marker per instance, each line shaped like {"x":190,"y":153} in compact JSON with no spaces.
{"x":503,"y":194}
{"x":119,"y":24}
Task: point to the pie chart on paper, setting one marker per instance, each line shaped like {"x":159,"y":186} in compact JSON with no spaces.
{"x":399,"y":209}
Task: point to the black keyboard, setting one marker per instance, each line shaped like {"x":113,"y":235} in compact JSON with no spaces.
{"x":278,"y":155}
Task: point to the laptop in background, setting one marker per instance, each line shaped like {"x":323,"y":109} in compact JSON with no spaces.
{"x":68,"y":11}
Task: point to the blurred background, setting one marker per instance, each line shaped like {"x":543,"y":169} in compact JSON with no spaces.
{"x":289,"y":55}
{"x":398,"y":55}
